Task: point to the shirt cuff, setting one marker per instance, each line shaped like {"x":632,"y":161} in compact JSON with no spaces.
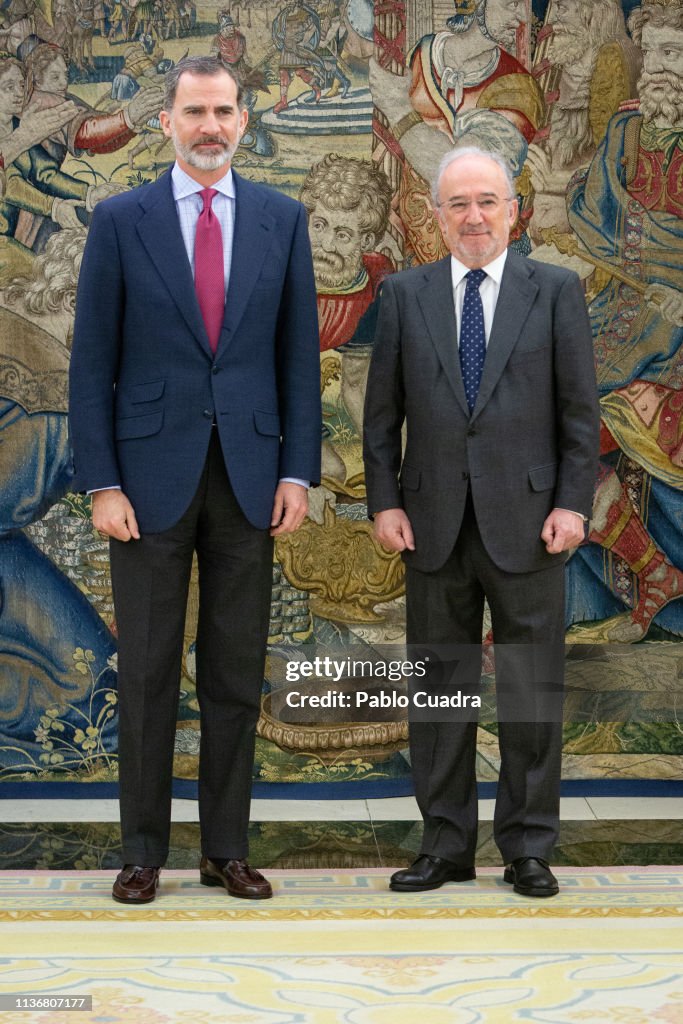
{"x":294,"y":480}
{"x":582,"y":517}
{"x":284,"y":480}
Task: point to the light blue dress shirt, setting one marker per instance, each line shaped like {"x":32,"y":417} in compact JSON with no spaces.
{"x":189,"y":205}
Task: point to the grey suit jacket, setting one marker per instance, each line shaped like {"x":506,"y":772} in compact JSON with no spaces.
{"x":531,"y":443}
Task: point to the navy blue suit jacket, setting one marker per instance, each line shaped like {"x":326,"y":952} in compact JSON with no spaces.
{"x":145,"y":387}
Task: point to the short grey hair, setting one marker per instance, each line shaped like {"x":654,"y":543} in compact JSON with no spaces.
{"x":208,"y":66}
{"x":459,"y":153}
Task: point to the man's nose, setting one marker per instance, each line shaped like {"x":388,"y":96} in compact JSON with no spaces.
{"x":474,"y":213}
{"x":210,"y":124}
{"x":652,"y":61}
{"x":327,"y":241}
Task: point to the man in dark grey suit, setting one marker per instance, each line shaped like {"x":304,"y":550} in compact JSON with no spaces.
{"x":487,"y":357}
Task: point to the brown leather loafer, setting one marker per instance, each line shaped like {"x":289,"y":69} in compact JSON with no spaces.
{"x":237,"y":877}
{"x":135,"y":884}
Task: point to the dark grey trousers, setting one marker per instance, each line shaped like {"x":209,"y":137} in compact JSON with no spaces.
{"x":150,"y":580}
{"x":446,"y":607}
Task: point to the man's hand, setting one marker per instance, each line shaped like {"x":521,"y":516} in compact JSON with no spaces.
{"x":562,"y":530}
{"x":669,"y":301}
{"x":145,"y":104}
{"x":543,"y":177}
{"x":393,"y":530}
{"x":113,"y":515}
{"x":64,"y":212}
{"x":96,"y":193}
{"x":389,"y":92}
{"x":36,"y":126}
{"x":289,"y":508}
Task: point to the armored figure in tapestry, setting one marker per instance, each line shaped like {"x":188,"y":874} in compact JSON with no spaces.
{"x":296,"y":34}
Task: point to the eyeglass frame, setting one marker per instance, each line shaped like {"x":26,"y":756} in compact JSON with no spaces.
{"x":494,"y":202}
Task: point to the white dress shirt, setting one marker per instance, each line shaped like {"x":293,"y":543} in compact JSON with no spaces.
{"x":488,"y":289}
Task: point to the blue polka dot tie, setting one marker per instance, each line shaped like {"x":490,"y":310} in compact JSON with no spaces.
{"x":472,"y":337}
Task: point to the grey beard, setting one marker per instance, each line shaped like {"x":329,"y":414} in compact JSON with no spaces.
{"x":567,"y":47}
{"x":207,"y":161}
{"x":667,"y":107}
{"x":204,"y":161}
{"x":335,"y":271}
{"x":570,"y":136}
{"x":507,"y":40}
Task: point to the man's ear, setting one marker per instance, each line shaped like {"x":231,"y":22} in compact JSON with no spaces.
{"x":442,"y":222}
{"x":368,"y":240}
{"x":165,"y":120}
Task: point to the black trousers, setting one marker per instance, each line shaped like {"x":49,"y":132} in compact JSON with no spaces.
{"x":150,"y":580}
{"x":446,"y":607}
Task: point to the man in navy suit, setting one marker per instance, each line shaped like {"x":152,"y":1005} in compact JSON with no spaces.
{"x":194,"y":433}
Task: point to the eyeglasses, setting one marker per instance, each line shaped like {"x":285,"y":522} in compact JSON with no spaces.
{"x":487,"y":204}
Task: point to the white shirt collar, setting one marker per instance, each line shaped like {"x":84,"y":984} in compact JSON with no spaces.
{"x":184,"y":185}
{"x":494,"y":269}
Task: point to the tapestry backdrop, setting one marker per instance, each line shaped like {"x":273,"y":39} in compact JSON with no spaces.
{"x":351,"y":108}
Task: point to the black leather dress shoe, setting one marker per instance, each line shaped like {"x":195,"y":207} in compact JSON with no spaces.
{"x":531,"y":876}
{"x":429,"y":872}
{"x":237,"y":877}
{"x":136,"y":884}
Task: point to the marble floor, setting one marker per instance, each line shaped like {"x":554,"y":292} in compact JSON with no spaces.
{"x":82,"y":834}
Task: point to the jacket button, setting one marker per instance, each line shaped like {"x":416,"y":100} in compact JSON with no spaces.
{"x":465,"y":475}
{"x":471,"y":432}
{"x":214,"y":369}
{"x":208,"y":414}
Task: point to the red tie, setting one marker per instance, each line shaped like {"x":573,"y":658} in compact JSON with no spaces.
{"x":209,"y":280}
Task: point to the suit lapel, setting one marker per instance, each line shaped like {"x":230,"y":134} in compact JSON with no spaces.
{"x":254,"y":233}
{"x":436,"y":302}
{"x":159,"y":232}
{"x":517,"y":293}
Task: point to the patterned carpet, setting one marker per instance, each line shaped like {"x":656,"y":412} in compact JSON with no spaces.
{"x":339,"y":947}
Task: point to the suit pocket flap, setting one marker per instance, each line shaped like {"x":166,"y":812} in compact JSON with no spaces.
{"x":540,"y":352}
{"x":267,"y":423}
{"x":139,"y":426}
{"x":542,"y":478}
{"x":146,"y":392}
{"x":410,"y":478}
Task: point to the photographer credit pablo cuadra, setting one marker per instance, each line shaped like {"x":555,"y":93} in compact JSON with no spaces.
{"x":324,"y":669}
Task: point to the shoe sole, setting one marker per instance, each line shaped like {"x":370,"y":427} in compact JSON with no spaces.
{"x":208,"y":880}
{"x":466,"y":875}
{"x":133,"y":902}
{"x":529,"y":890}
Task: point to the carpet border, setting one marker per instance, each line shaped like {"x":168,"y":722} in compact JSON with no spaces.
{"x":186,"y":789}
